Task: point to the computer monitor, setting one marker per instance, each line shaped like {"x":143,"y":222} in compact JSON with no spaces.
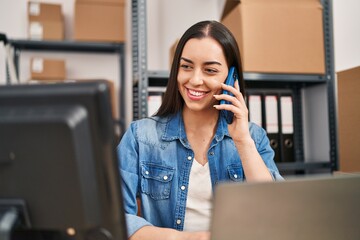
{"x":58,"y":162}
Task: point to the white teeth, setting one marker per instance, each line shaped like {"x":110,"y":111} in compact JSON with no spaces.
{"x":195,"y":93}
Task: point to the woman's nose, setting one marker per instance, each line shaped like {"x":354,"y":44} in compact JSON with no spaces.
{"x":197,"y":78}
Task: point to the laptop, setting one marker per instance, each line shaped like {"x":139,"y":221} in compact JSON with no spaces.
{"x":307,"y":208}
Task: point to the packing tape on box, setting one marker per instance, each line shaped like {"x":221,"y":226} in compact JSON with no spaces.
{"x":37,"y":65}
{"x":34,"y":9}
{"x":36,"y":30}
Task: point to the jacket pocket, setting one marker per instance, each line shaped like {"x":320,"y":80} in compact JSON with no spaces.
{"x":236,"y":173}
{"x":156,"y":180}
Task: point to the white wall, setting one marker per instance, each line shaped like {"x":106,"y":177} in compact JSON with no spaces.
{"x":167,"y":21}
{"x":346,"y":33}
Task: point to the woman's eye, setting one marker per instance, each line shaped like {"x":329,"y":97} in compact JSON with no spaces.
{"x":184,"y":66}
{"x":211,"y":71}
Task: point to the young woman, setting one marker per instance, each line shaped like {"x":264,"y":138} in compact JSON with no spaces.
{"x":173,"y":160}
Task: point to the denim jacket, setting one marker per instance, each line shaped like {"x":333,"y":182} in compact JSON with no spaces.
{"x":155,"y":161}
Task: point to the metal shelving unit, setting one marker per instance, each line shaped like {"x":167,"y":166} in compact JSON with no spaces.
{"x":142,"y":79}
{"x":80,"y":47}
{"x":139,"y":58}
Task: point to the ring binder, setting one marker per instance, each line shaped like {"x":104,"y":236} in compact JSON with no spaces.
{"x":255,"y":109}
{"x":272,"y":124}
{"x":287,"y":128}
{"x":273,"y":110}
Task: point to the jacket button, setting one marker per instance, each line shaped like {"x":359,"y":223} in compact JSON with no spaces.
{"x":189,"y":158}
{"x":165,"y":177}
{"x":178,"y":222}
{"x":183,"y":188}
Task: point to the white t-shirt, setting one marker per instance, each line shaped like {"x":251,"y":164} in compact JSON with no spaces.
{"x":198,"y":203}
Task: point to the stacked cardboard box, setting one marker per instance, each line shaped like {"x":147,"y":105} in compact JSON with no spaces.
{"x":348,"y":85}
{"x":47,"y":69}
{"x":278,"y":36}
{"x":99,"y":20}
{"x":46,"y":21}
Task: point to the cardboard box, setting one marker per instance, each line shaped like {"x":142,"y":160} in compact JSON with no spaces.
{"x":46,"y":30}
{"x":348,"y":85}
{"x":45,"y":21}
{"x":47,"y":69}
{"x":97,"y":20}
{"x":44,"y":12}
{"x":278,"y":36}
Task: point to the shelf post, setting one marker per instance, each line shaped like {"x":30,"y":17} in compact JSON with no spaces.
{"x":330,"y":74}
{"x":139,"y":58}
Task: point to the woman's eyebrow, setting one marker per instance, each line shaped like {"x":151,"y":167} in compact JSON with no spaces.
{"x":212,"y":62}
{"x":186,"y":60}
{"x":205,"y":63}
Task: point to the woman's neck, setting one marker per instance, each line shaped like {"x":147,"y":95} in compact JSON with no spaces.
{"x":194,"y":120}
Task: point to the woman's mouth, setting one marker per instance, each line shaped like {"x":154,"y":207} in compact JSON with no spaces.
{"x":196,"y":95}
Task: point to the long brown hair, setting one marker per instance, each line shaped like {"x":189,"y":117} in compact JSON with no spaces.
{"x":173,"y":101}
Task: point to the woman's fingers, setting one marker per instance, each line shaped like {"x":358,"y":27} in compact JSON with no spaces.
{"x":237,"y":99}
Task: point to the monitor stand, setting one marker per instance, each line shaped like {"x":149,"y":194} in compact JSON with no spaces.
{"x":13,"y":213}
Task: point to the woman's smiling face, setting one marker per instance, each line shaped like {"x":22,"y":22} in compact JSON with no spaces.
{"x":202,"y":69}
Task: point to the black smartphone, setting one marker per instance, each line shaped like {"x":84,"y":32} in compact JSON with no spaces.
{"x":230,"y":80}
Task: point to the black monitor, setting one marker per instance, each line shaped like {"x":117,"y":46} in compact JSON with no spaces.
{"x":58,"y":164}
